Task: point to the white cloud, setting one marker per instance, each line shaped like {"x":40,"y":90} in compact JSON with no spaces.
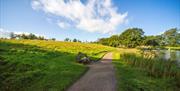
{"x":93,"y":16}
{"x":35,"y":5}
{"x":26,"y":33}
{"x":63,"y":25}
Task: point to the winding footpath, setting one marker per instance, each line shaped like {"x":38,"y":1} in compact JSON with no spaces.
{"x":99,"y":77}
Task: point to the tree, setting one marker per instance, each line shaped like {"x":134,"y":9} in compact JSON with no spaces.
{"x":160,"y":39}
{"x":67,"y":39}
{"x":150,"y":41}
{"x":132,"y":37}
{"x":31,"y":36}
{"x":74,"y":40}
{"x":172,"y":37}
{"x":114,"y":41}
{"x":12,"y":35}
{"x":41,"y":38}
{"x":23,"y":36}
{"x":53,"y":39}
{"x":104,"y":41}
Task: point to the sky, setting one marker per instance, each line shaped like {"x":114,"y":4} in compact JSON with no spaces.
{"x":87,"y":19}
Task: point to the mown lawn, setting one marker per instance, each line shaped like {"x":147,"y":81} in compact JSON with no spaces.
{"x":136,"y":78}
{"x":34,"y":65}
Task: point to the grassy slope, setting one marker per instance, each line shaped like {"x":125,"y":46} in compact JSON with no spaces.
{"x":42,"y":65}
{"x":135,"y":79}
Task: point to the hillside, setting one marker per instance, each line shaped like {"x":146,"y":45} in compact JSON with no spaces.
{"x":43,"y":65}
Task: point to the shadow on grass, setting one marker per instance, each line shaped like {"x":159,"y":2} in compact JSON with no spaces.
{"x":28,"y":67}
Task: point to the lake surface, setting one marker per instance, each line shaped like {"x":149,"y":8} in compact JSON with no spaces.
{"x":170,"y":55}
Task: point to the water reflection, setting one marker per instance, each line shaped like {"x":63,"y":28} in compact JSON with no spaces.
{"x":170,"y":54}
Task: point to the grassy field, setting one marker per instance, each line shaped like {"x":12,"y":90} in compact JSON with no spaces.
{"x":27,"y":65}
{"x":137,"y":73}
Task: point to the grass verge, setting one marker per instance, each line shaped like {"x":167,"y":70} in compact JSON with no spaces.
{"x":133,"y":78}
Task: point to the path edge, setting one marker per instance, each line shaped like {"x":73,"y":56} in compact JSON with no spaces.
{"x":83,"y":73}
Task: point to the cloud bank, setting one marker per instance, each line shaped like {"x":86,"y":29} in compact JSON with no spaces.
{"x":92,"y":16}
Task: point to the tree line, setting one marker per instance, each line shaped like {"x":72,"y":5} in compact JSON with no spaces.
{"x":28,"y":36}
{"x":134,"y":37}
{"x":72,"y":40}
{"x":32,"y":36}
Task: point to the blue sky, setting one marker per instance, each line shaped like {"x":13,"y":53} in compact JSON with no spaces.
{"x":153,"y":16}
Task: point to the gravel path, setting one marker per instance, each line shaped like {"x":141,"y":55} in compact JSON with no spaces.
{"x":100,"y":77}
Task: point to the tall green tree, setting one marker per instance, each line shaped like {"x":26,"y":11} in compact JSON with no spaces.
{"x":23,"y":36}
{"x":132,"y":37}
{"x":150,"y":41}
{"x":104,"y":41}
{"x":114,"y":41}
{"x":67,"y":39}
{"x":12,"y":35}
{"x":172,"y":37}
{"x":31,"y":36}
{"x":74,"y":40}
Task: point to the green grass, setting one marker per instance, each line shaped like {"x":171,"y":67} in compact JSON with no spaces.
{"x":133,"y":75}
{"x":34,"y":65}
{"x":173,"y":48}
